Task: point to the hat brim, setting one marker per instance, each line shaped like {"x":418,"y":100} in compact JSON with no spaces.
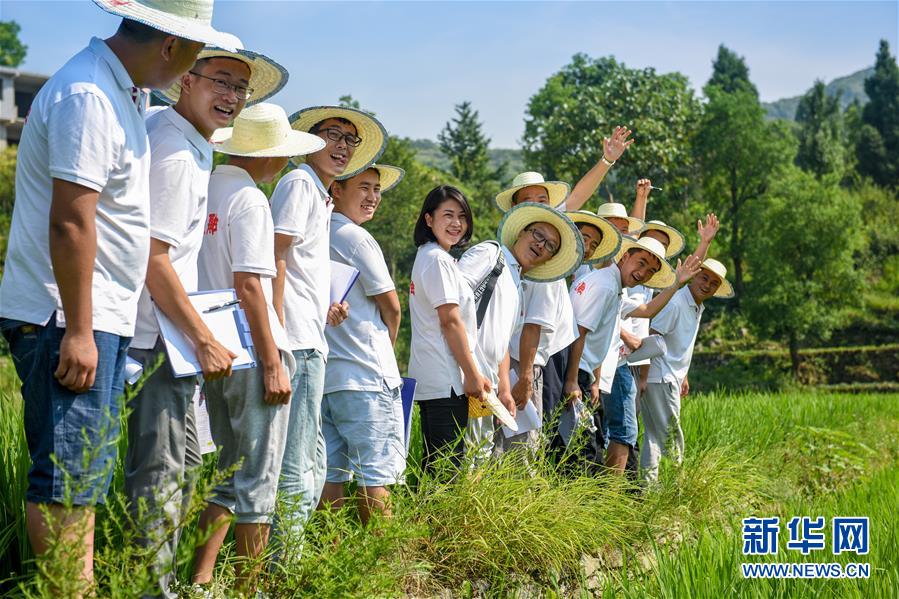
{"x":191,"y":29}
{"x":571,"y":247}
{"x":267,"y":77}
{"x":676,"y":241}
{"x":389,"y":176}
{"x":372,"y":132}
{"x":725,"y":290}
{"x":611,"y":238}
{"x":297,"y":144}
{"x":663,"y":278}
{"x":557,"y":191}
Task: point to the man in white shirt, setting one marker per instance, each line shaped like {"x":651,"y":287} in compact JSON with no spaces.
{"x":678,"y":323}
{"x":362,"y":412}
{"x":77,"y":256}
{"x":301,"y":207}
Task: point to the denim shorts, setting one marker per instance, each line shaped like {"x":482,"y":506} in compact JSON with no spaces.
{"x":620,"y":408}
{"x":72,"y":437}
{"x":364,"y":435}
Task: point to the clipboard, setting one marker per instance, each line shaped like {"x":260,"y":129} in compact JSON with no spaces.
{"x":407,"y":394}
{"x":229,"y":325}
{"x":343,"y":277}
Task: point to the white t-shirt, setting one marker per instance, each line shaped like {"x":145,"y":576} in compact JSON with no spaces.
{"x":596,"y":299}
{"x":678,"y":323}
{"x":503,"y":315}
{"x":84,"y":127}
{"x":360,"y":355}
{"x":436,"y":281}
{"x":179,"y":182}
{"x":617,"y":352}
{"x":639,"y":327}
{"x":239,"y":237}
{"x":549,"y":306}
{"x":301,"y":208}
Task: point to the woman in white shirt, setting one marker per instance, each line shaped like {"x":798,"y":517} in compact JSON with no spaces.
{"x":444,"y":327}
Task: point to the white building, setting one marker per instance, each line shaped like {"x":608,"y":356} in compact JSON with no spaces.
{"x":17,"y":91}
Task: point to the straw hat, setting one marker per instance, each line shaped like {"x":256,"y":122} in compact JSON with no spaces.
{"x":372,"y":132}
{"x":676,"y":241}
{"x":390,"y":176}
{"x":611,"y":238}
{"x":263,"y":131}
{"x":190,"y":19}
{"x":665,"y":276}
{"x":726,"y":290}
{"x":557,"y":190}
{"x":571,"y":248}
{"x":267,"y":77}
{"x":616,"y":210}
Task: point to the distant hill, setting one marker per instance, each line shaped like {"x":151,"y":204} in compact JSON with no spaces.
{"x":852,"y":88}
{"x":429,"y":153}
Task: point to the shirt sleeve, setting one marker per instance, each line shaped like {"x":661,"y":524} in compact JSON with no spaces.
{"x":665,"y":321}
{"x":539,"y":307}
{"x":590,"y":301}
{"x":291,"y":206}
{"x":251,"y":236}
{"x":171,"y":201}
{"x":476,"y":263}
{"x":81,"y":129}
{"x":441,"y":283}
{"x":373,"y":274}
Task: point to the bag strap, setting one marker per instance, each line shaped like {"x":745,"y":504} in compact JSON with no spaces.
{"x":484,"y":291}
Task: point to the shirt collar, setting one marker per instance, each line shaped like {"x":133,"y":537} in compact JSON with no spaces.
{"x":190,"y":132}
{"x":512,"y":262}
{"x":691,"y":301}
{"x":121,"y":75}
{"x":316,"y":180}
{"x":234,"y":171}
{"x":340,"y":217}
{"x":616,"y":275}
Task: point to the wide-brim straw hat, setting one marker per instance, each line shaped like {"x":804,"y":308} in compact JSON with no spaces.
{"x":389,"y":176}
{"x":571,"y":246}
{"x":557,"y":190}
{"x":611,"y":238}
{"x":370,"y":129}
{"x":676,"y":241}
{"x":725,"y":290}
{"x":263,"y":131}
{"x":665,"y":276}
{"x":616,"y":210}
{"x":190,"y":19}
{"x":267,"y":77}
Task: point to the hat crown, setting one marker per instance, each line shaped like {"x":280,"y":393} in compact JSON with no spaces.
{"x":261,"y":126}
{"x":611,"y":210}
{"x":716,"y":267}
{"x":528,"y":178}
{"x":652,"y":245}
{"x":199,"y":10}
{"x":656,"y":222}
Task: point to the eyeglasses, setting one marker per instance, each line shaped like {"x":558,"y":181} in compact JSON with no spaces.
{"x":335,"y":134}
{"x":222,"y":87}
{"x":539,"y":237}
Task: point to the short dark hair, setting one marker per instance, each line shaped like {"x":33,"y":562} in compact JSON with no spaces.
{"x":423,"y":233}
{"x":317,"y":126}
{"x":140,"y":33}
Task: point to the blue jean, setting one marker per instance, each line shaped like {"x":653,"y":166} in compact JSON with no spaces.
{"x":620,"y":408}
{"x":79,"y":430}
{"x":305,"y":459}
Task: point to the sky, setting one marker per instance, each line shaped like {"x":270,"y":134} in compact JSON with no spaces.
{"x":411,"y":62}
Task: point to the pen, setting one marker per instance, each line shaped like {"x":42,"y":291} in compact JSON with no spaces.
{"x":221,"y":306}
{"x":656,"y":188}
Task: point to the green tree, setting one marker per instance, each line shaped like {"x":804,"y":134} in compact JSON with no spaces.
{"x":802,"y":254}
{"x":730,"y":73}
{"x":577,"y":107}
{"x":878,"y":147}
{"x":348,"y":101}
{"x":12,"y":50}
{"x":464,"y":142}
{"x":821,"y":145}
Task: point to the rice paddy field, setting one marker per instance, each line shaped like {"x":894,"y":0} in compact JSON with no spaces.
{"x":529,"y":530}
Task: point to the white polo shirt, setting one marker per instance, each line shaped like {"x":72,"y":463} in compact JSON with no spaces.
{"x":616,"y":356}
{"x":678,"y":323}
{"x":639,"y":327}
{"x":436,"y":281}
{"x":549,"y":306}
{"x":239,"y":237}
{"x":301,"y":208}
{"x":86,"y":128}
{"x":179,"y":182}
{"x":503,"y":316}
{"x":360,"y":354}
{"x":596,"y":299}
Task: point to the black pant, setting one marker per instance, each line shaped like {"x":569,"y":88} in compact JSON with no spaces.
{"x":553,"y":391}
{"x":443,"y":423}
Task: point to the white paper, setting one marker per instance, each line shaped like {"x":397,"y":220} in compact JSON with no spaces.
{"x":179,"y":348}
{"x":133,"y":370}
{"x":342,"y":278}
{"x":201,"y":417}
{"x":651,"y":347}
{"x":573,"y":419}
{"x":527,"y":420}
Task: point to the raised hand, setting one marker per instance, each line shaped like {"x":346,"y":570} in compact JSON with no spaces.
{"x":686,"y":270}
{"x":708,"y":231}
{"x":644,"y":186}
{"x":615,"y":146}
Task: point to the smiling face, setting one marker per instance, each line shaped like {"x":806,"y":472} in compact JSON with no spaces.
{"x":202,"y":104}
{"x":592,"y":237}
{"x":358,"y":197}
{"x":659,"y":236}
{"x":331,"y":161}
{"x":638,"y":266}
{"x":536,"y":244}
{"x":531,"y":193}
{"x":704,"y":285}
{"x":448,"y":223}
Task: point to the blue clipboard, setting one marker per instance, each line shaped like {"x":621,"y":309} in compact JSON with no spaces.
{"x":408,"y":396}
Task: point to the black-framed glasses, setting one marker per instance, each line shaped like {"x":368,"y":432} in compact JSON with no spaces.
{"x":222,"y":87}
{"x":335,"y":134}
{"x":539,"y":237}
